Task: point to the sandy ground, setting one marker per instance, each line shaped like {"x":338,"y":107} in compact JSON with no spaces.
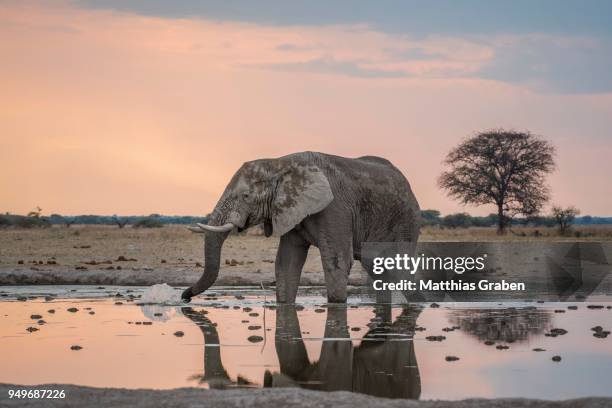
{"x":107,"y":255}
{"x":172,"y":254}
{"x":273,"y":397}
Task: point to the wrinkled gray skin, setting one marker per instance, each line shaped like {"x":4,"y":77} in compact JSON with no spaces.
{"x":331,"y":202}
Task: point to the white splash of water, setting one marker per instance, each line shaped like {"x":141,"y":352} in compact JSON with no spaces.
{"x":160,"y":293}
{"x":159,"y":313}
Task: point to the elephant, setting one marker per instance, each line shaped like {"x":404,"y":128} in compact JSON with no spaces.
{"x":312,"y":199}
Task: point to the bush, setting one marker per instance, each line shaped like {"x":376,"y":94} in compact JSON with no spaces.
{"x":5,"y":221}
{"x":488,"y":221}
{"x":430,"y":217}
{"x":148,"y":222}
{"x":20,"y":221}
{"x":458,"y":220}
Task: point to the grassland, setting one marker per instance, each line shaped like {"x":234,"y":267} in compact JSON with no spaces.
{"x":172,"y":254}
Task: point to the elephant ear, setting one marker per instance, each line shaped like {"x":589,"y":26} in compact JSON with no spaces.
{"x":301,"y":190}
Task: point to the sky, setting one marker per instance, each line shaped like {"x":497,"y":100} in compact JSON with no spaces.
{"x":139,"y":107}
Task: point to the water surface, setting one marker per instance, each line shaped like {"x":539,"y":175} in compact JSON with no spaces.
{"x":239,"y":338}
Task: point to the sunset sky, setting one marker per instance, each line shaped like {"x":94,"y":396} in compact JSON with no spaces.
{"x":138,"y":107}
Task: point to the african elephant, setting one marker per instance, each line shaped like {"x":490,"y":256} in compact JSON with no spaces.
{"x":331,"y":202}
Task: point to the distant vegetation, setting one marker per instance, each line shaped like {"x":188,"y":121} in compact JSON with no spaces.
{"x":561,"y":218}
{"x":35,"y":219}
{"x":564,"y":217}
{"x":148,"y":222}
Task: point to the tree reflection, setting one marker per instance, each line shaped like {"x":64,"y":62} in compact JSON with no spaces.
{"x":506,"y":325}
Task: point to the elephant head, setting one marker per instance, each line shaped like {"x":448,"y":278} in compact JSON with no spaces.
{"x":279,"y":193}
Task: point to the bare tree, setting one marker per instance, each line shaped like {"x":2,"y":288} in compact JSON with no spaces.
{"x":564,"y":217}
{"x":121,"y":222}
{"x":503,"y":168}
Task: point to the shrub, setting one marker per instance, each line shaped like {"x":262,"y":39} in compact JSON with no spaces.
{"x":5,"y":221}
{"x":148,"y":222}
{"x":458,"y":220}
{"x":20,"y":221}
{"x":430,"y":217}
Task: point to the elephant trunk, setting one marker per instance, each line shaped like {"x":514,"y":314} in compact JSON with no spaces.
{"x":213,"y":242}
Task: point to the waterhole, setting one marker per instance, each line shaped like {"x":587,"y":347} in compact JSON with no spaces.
{"x":241,"y":338}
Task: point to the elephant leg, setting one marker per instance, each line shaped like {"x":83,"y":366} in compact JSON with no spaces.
{"x":337,"y":258}
{"x":290,"y":258}
{"x":335,"y":362}
{"x":290,"y":348}
{"x":382,"y":296}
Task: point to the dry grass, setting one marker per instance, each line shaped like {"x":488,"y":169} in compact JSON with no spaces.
{"x":168,"y":254}
{"x":577,"y":233}
{"x":91,"y":254}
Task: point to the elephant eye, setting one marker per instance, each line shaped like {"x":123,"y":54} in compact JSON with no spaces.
{"x":245,"y":194}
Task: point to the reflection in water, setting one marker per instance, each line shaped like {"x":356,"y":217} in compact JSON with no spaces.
{"x":384,"y":364}
{"x":507,"y":325}
{"x":375,"y":354}
{"x":388,"y":367}
{"x":215,"y":374}
{"x":158,"y":313}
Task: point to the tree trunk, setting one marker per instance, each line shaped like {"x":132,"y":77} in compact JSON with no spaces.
{"x":501,"y":220}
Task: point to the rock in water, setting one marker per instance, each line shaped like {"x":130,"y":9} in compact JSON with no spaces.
{"x":435,"y":338}
{"x":160,"y":293}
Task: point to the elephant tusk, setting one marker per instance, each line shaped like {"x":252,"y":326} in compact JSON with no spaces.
{"x":217,"y":228}
{"x":195,"y":229}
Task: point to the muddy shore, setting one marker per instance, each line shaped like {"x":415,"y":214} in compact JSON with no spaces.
{"x":264,"y":398}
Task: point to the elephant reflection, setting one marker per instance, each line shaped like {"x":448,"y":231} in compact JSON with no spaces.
{"x":381,"y":365}
{"x":214,"y":372}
